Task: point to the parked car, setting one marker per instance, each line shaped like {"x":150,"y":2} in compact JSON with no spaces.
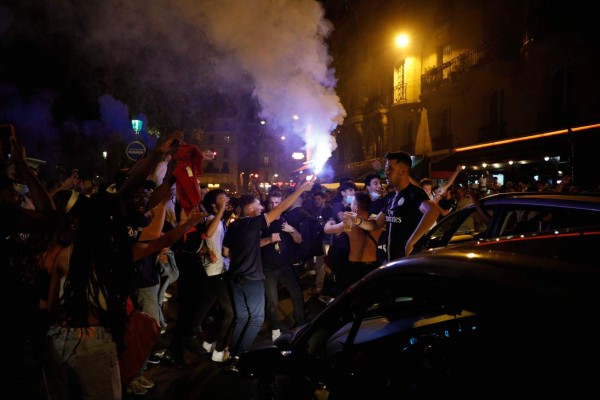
{"x":508,"y":214}
{"x":474,"y":320}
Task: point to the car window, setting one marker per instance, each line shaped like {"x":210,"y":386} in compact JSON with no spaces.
{"x":460,"y":226}
{"x":540,"y":219}
{"x":385,"y":308}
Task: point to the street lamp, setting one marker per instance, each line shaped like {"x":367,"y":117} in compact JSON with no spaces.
{"x":241,"y":180}
{"x":402,"y":41}
{"x":274,"y":177}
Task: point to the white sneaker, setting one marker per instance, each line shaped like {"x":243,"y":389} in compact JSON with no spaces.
{"x":136,"y":388}
{"x":208,"y":346}
{"x":275,"y":333}
{"x":218,"y":356}
{"x":145,"y":382}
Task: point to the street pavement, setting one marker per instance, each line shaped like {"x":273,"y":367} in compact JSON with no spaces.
{"x":204,"y":378}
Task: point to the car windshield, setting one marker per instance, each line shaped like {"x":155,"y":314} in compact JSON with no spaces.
{"x":384,"y":308}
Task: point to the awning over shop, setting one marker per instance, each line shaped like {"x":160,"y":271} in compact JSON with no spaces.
{"x":571,"y":149}
{"x":521,"y":150}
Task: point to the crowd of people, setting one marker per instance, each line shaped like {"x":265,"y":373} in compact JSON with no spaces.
{"x":78,"y":258}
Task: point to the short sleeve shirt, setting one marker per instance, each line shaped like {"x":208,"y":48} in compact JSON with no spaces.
{"x":243,"y":241}
{"x":402,"y":215}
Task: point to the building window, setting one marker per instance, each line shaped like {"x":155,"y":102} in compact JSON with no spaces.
{"x":496,"y":104}
{"x":399,"y":84}
{"x":227,"y":139}
{"x":444,"y":138}
{"x":562,"y":91}
{"x":226,"y":152}
{"x":225,"y":168}
{"x":265,"y":161}
{"x":210,"y":167}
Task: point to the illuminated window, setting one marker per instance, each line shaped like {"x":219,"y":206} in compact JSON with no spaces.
{"x":399,"y":84}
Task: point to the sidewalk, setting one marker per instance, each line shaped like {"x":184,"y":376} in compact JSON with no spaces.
{"x":204,"y":378}
{"x":208,"y":379}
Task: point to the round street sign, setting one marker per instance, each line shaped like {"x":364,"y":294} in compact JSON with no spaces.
{"x":135,"y":150}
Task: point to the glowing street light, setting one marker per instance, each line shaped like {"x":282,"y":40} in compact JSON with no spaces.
{"x":402,"y":41}
{"x":297,"y":155}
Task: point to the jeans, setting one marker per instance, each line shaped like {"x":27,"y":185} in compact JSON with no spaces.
{"x":249,"y":304}
{"x":214,"y":289}
{"x":81,"y":363}
{"x":287,"y":276}
{"x":147,"y":301}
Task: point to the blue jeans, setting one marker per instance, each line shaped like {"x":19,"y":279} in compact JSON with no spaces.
{"x":249,"y":304}
{"x":287,"y":277}
{"x":82,"y":364}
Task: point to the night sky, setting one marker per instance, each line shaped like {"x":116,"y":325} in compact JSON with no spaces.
{"x":74,"y":73}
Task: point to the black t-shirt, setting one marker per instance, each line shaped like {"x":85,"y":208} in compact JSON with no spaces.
{"x":272,"y":258}
{"x":243,"y":241}
{"x":402,"y":216}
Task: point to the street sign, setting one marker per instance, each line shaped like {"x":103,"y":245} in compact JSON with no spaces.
{"x":135,"y":150}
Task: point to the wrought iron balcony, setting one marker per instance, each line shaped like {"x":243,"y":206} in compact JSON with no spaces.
{"x":453,"y":69}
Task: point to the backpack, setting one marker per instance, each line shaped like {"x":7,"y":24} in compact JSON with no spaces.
{"x":312,"y":234}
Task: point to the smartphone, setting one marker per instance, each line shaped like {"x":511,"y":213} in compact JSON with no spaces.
{"x":6,"y":131}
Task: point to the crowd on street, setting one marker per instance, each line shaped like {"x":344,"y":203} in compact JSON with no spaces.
{"x":81,"y":258}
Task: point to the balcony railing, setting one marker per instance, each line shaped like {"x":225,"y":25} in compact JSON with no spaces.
{"x":400,"y":93}
{"x":464,"y":63}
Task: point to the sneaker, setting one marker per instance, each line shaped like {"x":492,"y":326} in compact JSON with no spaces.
{"x":174,"y":360}
{"x":154,"y":359}
{"x":208,"y":346}
{"x":136,"y":388}
{"x":233,"y":364}
{"x":275,"y":333}
{"x":145,"y":382}
{"x":218,"y":356}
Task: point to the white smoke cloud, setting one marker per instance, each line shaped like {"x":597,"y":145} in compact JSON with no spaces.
{"x":188,"y":49}
{"x":281,"y":45}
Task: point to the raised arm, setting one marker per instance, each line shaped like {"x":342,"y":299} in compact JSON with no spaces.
{"x":39,"y":195}
{"x":286,"y":203}
{"x":140,"y":171}
{"x":221,"y":202}
{"x":143,"y":249}
{"x":448,"y":184}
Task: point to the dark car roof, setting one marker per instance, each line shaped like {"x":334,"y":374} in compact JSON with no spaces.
{"x":559,"y":262}
{"x":589,"y":201}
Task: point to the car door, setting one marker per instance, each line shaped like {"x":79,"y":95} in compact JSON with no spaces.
{"x":462,"y":225}
{"x":364,"y":353}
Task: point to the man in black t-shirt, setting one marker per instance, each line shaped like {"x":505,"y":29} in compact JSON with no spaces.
{"x":242,"y":245}
{"x":409,"y":213}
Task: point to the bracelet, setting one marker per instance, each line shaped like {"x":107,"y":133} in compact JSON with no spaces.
{"x":361,"y":220}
